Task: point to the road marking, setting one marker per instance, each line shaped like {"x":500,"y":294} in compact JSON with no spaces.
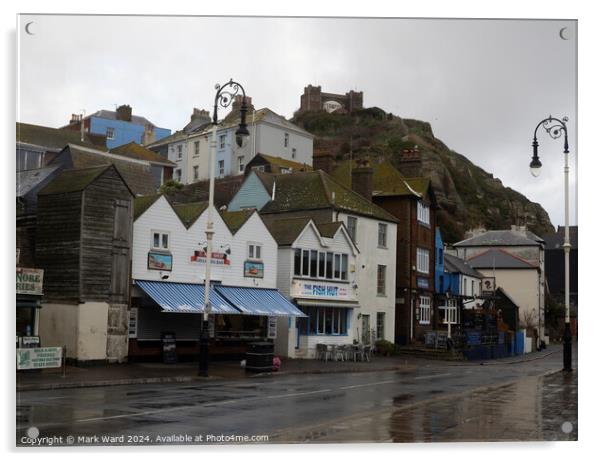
{"x":432,"y":376}
{"x":208,"y":404}
{"x":368,"y":384}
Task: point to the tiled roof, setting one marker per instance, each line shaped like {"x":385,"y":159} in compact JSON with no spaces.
{"x":285,"y":231}
{"x":52,"y":138}
{"x":502,"y":238}
{"x":73,"y":180}
{"x":177,"y":136}
{"x":135,"y":150}
{"x":225,"y":189}
{"x":235,"y":219}
{"x":328,"y":229}
{"x":454,"y":264}
{"x":387,"y":180}
{"x":498,"y":259}
{"x":29,"y":179}
{"x":315,"y":190}
{"x":143,"y":203}
{"x":112,"y":115}
{"x":189,"y":212}
{"x":556,"y":240}
{"x":280,"y":162}
{"x":136,"y":173}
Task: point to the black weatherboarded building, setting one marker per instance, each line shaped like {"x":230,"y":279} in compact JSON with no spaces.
{"x":84,"y":239}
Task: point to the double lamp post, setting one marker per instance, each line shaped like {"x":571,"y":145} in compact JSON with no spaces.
{"x":556,"y":128}
{"x":224,"y":97}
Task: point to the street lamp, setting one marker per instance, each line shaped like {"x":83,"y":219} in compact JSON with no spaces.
{"x":224,"y":97}
{"x":555,"y":128}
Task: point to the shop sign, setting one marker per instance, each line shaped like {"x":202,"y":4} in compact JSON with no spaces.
{"x":253,"y":269}
{"x":488,"y":286}
{"x":160,"y":261}
{"x":168,"y":347}
{"x":42,"y":357}
{"x":218,"y":258}
{"x":29,"y":281}
{"x":422,"y":282}
{"x":321,"y":290}
{"x":30,"y":341}
{"x":272,"y":327}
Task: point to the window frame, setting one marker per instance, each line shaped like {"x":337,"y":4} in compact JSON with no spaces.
{"x":424,"y":306}
{"x":161,"y":234}
{"x":221,"y":167}
{"x":382,"y":232}
{"x":381,"y":280}
{"x":241,"y":163}
{"x":286,"y":139}
{"x":423,"y":257}
{"x":318,"y":268}
{"x":380,"y":325}
{"x":352,"y":229}
{"x":423,"y":213}
{"x":222,"y":141}
{"x":112,"y":131}
{"x":195,"y":172}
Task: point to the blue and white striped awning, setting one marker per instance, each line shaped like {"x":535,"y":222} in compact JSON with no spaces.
{"x":259,"y":301}
{"x":185,"y":297}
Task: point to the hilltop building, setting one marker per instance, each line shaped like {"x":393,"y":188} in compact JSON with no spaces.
{"x":313,"y":99}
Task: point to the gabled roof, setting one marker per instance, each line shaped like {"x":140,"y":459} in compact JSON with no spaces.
{"x":285,"y":231}
{"x":280,"y":162}
{"x":260,"y":115}
{"x":454,"y":264}
{"x":314,"y":190}
{"x":73,"y":180}
{"x":189,"y":212}
{"x":236,"y":219}
{"x":143,"y":203}
{"x":112,"y":115}
{"x":52,"y":138}
{"x":136,"y":173}
{"x":499,"y":259}
{"x":29,"y":179}
{"x":135,"y":150}
{"x":387,"y":180}
{"x":329,"y":229}
{"x":225,"y":190}
{"x":502,"y":238}
{"x":174,"y":137}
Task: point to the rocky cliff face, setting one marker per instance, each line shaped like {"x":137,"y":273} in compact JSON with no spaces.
{"x":468,"y":196}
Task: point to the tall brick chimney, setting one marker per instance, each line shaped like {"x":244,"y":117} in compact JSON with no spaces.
{"x":323,"y":160}
{"x":124,"y":112}
{"x":362,"y":179}
{"x":149,"y":134}
{"x":410,"y":162}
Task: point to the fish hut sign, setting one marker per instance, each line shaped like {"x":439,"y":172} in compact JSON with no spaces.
{"x":29,"y":281}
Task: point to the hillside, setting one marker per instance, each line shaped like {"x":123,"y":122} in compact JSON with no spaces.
{"x":468,"y":196}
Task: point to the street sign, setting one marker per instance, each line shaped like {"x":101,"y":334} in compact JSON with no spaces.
{"x":41,"y":357}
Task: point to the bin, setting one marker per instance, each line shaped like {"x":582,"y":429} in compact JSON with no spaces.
{"x":260,"y":357}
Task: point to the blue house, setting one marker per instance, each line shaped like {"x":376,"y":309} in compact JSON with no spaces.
{"x":439,"y":263}
{"x":120,"y":127}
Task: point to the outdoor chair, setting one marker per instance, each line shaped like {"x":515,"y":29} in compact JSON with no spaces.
{"x":339,"y":353}
{"x":321,"y":352}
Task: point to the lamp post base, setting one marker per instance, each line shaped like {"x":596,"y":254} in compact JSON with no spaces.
{"x":568,"y":347}
{"x":204,"y":349}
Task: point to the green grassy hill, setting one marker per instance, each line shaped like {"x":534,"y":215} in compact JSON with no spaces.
{"x":468,"y":196}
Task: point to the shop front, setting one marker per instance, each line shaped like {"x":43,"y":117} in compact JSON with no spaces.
{"x":330,"y":311}
{"x":29,"y":294}
{"x":239,"y":316}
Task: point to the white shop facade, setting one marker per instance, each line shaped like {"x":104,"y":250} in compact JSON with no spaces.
{"x":318,"y":273}
{"x":168,"y":280}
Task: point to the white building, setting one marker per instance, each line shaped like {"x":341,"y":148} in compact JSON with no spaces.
{"x":515,"y":258}
{"x":168,"y":272}
{"x":373,"y":230}
{"x":317,"y":268}
{"x":270,"y":134}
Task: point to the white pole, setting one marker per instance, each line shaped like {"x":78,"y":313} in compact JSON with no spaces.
{"x":567,"y":242}
{"x":209,"y":232}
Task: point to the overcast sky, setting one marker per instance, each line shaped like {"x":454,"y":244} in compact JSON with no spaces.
{"x":482,"y":84}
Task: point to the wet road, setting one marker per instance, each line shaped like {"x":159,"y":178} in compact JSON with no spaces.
{"x":436,"y":402}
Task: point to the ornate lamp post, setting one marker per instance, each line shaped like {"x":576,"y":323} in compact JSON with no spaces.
{"x":556,"y":128}
{"x":223,"y":97}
